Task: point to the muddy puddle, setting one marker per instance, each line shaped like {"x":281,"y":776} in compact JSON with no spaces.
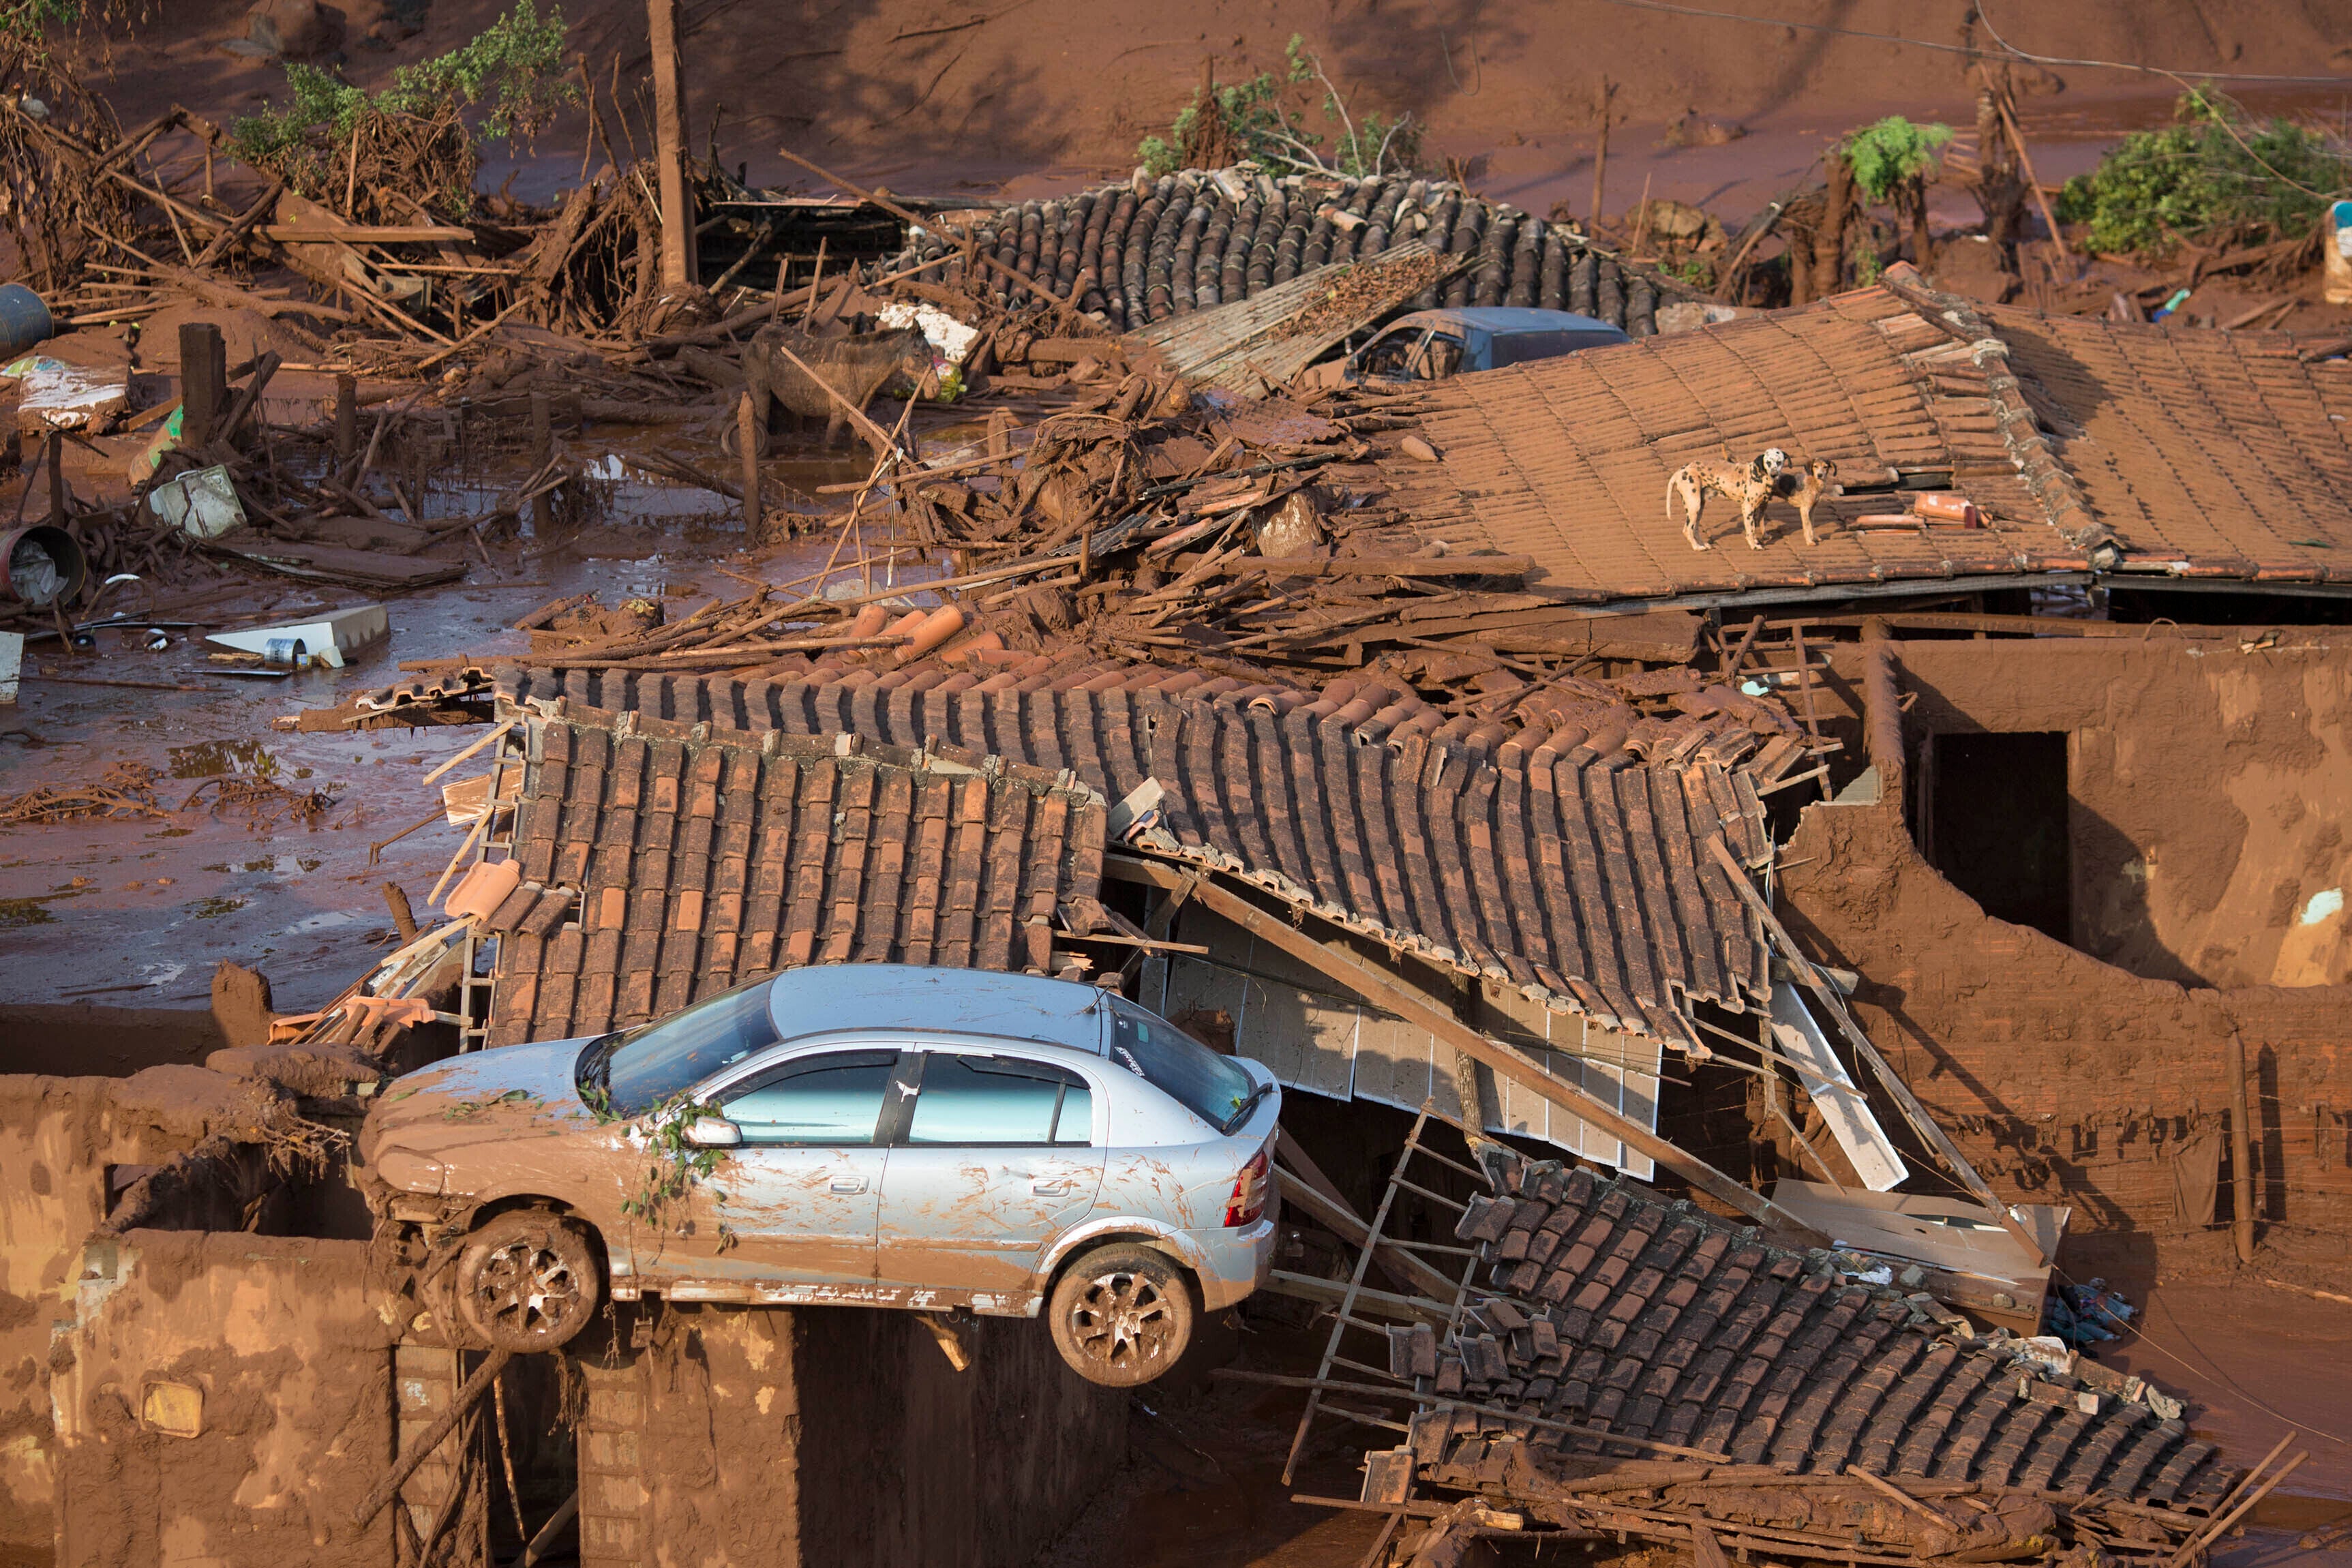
{"x":137,"y":911}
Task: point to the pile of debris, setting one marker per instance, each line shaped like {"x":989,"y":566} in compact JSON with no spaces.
{"x":1640,"y":1368}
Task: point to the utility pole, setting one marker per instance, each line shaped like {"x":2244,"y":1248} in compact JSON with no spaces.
{"x":680,"y":267}
{"x":2242,"y":1151}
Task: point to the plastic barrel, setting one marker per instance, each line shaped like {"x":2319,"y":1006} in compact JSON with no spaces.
{"x":42,"y":565}
{"x":24,"y":320}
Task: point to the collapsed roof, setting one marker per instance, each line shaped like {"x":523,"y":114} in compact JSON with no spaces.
{"x":1611,"y":907}
{"x":662,"y":863}
{"x":1147,"y":251}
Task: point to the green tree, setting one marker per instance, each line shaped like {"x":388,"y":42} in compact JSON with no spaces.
{"x":1893,"y":160}
{"x":2214,"y":174}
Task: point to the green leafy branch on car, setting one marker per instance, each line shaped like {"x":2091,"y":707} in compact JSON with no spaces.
{"x":675,"y":1164}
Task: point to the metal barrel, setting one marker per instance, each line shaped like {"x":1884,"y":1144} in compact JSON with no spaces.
{"x":25,"y":319}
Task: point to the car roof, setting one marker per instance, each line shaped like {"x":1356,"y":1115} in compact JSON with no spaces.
{"x":823,"y":998}
{"x":1503,"y":319}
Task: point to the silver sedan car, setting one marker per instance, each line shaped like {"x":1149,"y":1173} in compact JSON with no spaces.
{"x":861,"y":1134}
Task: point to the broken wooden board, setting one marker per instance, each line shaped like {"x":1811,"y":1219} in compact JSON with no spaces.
{"x":358,"y":568}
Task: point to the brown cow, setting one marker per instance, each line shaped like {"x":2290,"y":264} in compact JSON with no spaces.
{"x":856,"y":366}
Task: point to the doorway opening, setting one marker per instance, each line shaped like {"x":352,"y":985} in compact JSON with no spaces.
{"x":1993,"y":821}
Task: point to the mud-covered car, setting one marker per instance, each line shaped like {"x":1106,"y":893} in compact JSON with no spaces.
{"x":857,"y":1134}
{"x":1434,"y":345}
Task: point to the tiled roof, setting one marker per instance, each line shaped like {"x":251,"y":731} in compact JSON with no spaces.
{"x":1567,"y":460}
{"x":1576,"y":874}
{"x":1663,"y":1322}
{"x":2224,"y":451}
{"x":664,"y":861}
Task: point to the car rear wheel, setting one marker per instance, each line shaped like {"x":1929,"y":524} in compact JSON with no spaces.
{"x":527,"y":1280}
{"x":1121,"y":1315}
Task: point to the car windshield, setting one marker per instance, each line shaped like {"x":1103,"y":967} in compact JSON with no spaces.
{"x":643,"y":1066}
{"x":1213,"y":1087}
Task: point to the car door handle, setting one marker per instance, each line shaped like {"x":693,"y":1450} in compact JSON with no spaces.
{"x":1052,"y":1187}
{"x":848,"y":1185}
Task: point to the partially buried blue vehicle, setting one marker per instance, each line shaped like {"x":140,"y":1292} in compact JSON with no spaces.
{"x":860,"y":1134}
{"x":1431,"y":346}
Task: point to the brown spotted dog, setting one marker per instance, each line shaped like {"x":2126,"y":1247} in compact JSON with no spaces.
{"x":1805,"y":486}
{"x":1752,"y":486}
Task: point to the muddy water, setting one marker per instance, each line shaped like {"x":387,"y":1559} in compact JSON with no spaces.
{"x":138,"y":912}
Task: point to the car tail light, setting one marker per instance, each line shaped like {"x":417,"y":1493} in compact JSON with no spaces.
{"x":1248,"y":1200}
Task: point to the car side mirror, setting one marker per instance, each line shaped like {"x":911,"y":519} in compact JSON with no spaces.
{"x":713,"y":1133}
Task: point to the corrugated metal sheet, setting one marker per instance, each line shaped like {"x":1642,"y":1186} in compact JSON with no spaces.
{"x":1253,"y":345}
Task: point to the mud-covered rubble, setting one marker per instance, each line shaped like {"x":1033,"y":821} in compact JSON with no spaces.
{"x":1639,"y":1366}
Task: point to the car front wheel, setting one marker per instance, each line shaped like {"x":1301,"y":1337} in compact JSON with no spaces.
{"x":527,"y":1280}
{"x":1121,"y":1315}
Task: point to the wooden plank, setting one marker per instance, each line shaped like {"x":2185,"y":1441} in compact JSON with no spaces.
{"x":363,"y":234}
{"x":1330,"y":1212}
{"x":1912,"y":1111}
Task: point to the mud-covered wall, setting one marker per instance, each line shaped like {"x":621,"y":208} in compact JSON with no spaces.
{"x":2210,"y":789}
{"x":839,"y":1436}
{"x":905,"y":1459}
{"x":59,"y":1138}
{"x":2063,"y":1077}
{"x":223,"y":1398}
{"x":74,"y":1039}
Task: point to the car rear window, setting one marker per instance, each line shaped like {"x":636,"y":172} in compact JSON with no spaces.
{"x":999,"y":1100}
{"x":1519,"y":348}
{"x":1211,"y":1086}
{"x":643,"y":1066}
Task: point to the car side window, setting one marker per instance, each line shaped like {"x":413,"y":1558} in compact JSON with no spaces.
{"x":977,"y":1100}
{"x":1394,"y":355}
{"x":1443,"y":358}
{"x":833,"y":1099}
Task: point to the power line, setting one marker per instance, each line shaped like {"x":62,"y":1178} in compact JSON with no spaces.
{"x":2007,"y":49}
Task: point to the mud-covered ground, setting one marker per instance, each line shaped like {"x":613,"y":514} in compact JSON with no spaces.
{"x":137,"y":913}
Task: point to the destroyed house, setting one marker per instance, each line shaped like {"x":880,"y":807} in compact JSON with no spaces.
{"x":2089,"y":452}
{"x":1613,"y":920}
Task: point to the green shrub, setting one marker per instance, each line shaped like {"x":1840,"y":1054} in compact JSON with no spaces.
{"x":30,"y":18}
{"x":2194,"y":180}
{"x":512,"y":73}
{"x":1892,"y":155}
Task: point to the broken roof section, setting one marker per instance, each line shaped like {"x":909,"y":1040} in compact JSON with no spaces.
{"x":2085,"y":445}
{"x":663,"y":862}
{"x":1594,"y":838}
{"x":1617,"y":1321}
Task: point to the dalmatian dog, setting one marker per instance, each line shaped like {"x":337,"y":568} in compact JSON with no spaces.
{"x":1752,"y":486}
